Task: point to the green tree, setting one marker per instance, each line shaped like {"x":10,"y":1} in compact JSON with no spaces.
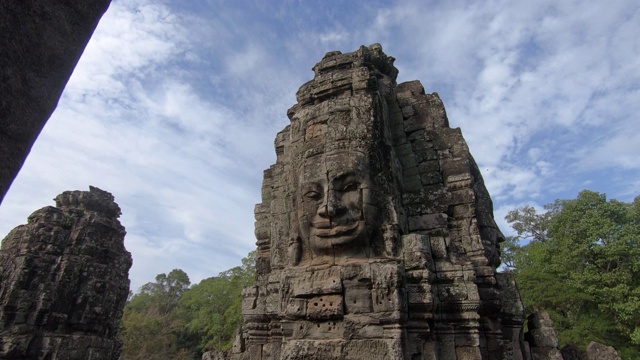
{"x":168,"y":319}
{"x":582,"y":265}
{"x":150,"y":327}
{"x":508,"y":250}
{"x":529,"y":224}
{"x":212,"y":309}
{"x":167,"y":290}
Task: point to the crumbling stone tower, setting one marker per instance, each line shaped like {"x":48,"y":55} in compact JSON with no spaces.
{"x":375,"y":235}
{"x":64,"y":281}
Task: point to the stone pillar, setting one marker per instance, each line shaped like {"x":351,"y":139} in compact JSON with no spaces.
{"x":64,"y":281}
{"x":542,"y":337}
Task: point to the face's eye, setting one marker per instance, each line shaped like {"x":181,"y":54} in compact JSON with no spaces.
{"x":350,"y":186}
{"x":312,"y":194}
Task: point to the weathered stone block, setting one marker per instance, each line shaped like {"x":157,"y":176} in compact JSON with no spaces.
{"x":597,"y":351}
{"x":427,"y":222}
{"x":468,"y":353}
{"x":431,"y":178}
{"x":419,"y":296}
{"x":386,"y":292}
{"x":544,"y":337}
{"x":371,"y":349}
{"x":357,"y":298}
{"x":296,"y":308}
{"x":545,"y":354}
{"x":325,"y":307}
{"x":312,"y":350}
{"x":463,"y":196}
{"x":318,"y":330}
{"x":427,"y":154}
{"x":326,"y":281}
{"x":430,"y":166}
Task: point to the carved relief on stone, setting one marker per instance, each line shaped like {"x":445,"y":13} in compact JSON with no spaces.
{"x":375,"y":234}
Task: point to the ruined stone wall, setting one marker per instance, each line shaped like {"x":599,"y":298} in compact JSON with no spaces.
{"x":375,"y":234}
{"x":64,"y":280}
{"x":41,"y":43}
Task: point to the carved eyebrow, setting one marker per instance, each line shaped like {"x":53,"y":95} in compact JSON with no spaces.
{"x":345,"y":175}
{"x":347,"y":178}
{"x":312,"y":186}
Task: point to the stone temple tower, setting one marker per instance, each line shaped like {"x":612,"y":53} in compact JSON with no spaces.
{"x":64,"y":281}
{"x":376,"y":237}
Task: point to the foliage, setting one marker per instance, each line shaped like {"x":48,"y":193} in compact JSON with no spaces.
{"x":508,"y":250}
{"x":529,"y":224}
{"x":213,"y":308}
{"x":150,"y":330}
{"x":169,"y":320}
{"x":582,"y":265}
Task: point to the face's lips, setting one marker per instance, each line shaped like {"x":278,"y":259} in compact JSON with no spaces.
{"x":322,"y":224}
{"x":327,"y":229}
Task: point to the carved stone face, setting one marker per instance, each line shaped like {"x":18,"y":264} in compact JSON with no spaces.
{"x":333,"y":210}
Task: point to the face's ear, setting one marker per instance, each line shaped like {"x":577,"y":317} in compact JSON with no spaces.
{"x":295,"y":250}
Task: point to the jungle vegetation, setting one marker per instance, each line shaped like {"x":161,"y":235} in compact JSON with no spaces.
{"x":577,"y":259}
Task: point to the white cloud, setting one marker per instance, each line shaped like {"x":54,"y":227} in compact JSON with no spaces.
{"x":334,"y":37}
{"x":129,"y":123}
{"x":174,"y":109}
{"x":246,"y":62}
{"x":524,"y":75}
{"x":619,"y":149}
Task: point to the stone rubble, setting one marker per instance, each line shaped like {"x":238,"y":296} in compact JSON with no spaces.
{"x":542,"y":337}
{"x":597,"y":351}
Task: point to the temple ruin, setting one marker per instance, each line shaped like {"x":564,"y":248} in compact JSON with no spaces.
{"x":64,"y":281}
{"x":376,"y":237}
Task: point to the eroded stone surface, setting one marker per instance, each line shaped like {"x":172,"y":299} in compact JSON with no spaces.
{"x":64,"y":280}
{"x":376,"y":237}
{"x":542,"y":337}
{"x":597,"y":351}
{"x":572,"y":352}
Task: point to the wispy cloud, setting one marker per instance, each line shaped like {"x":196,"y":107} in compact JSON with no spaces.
{"x":174,"y":107}
{"x":517,"y":76}
{"x":130,"y":123}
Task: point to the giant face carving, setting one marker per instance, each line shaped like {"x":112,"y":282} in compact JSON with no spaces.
{"x":334,"y":213}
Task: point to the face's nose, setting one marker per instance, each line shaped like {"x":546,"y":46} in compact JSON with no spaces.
{"x":331,"y":204}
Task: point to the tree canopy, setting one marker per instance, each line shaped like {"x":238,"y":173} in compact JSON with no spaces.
{"x":579,"y":260}
{"x":581,"y":263}
{"x":168,"y":319}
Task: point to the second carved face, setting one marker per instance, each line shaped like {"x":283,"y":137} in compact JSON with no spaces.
{"x":333,"y":207}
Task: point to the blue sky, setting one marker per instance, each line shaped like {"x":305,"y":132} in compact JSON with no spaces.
{"x":174,"y":107}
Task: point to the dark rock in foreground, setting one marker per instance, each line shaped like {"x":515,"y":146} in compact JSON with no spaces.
{"x":40,"y":44}
{"x":64,"y":280}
